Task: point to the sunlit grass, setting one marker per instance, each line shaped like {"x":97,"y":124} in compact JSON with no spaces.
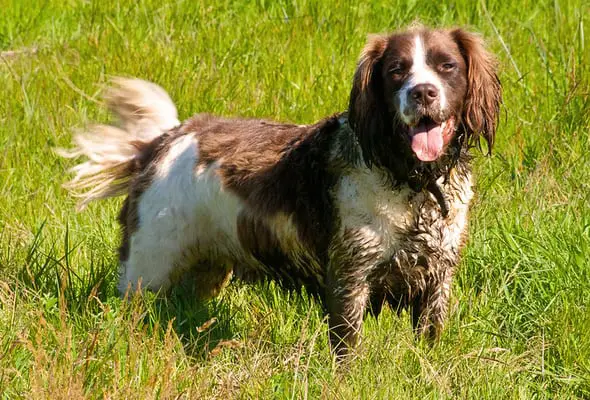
{"x":520,"y":310}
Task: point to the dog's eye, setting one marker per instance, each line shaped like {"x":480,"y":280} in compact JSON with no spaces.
{"x":447,"y":66}
{"x":397,"y":70}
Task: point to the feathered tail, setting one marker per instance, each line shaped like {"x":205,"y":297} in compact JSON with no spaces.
{"x":144,"y":111}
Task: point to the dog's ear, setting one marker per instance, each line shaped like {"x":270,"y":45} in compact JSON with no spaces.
{"x":365,"y":110}
{"x":484,"y":92}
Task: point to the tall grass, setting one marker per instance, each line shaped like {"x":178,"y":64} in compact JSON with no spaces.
{"x":520,"y":320}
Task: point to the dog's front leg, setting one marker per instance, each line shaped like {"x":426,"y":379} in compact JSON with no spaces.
{"x":348,"y":289}
{"x":346,"y":302}
{"x":430,"y":307}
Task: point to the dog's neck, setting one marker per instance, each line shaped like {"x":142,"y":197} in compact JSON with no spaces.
{"x":401,"y":167}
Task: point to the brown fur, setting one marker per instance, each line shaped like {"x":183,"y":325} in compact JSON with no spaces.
{"x":260,"y":162}
{"x":484,"y":95}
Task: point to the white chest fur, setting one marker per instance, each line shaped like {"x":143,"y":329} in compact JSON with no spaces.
{"x":368,"y":204}
{"x":386,"y":217}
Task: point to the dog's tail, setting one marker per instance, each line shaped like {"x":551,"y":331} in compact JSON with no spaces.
{"x":144,"y":111}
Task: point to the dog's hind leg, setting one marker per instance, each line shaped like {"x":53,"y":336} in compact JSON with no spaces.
{"x":150,"y":263}
{"x":158,"y":259}
{"x":160,"y":227}
{"x":204,"y":280}
{"x":177,"y":222}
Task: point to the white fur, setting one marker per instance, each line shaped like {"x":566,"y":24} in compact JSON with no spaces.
{"x":460,"y":209}
{"x":420,"y":73}
{"x":366,"y":203}
{"x":383,"y":216}
{"x":185,"y":212}
{"x":145,"y":111}
{"x":144,"y":108}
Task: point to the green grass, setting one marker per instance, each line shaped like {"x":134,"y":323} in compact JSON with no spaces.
{"x":520,"y":321}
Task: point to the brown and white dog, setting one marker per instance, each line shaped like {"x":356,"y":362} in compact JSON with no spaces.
{"x":363,"y":208}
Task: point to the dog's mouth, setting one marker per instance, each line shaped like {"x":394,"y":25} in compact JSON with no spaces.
{"x":429,"y":137}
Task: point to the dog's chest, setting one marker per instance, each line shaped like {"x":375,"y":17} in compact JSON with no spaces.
{"x":394,"y":220}
{"x":367,"y":204}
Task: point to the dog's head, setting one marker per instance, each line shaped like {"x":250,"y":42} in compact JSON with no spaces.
{"x":421,"y":89}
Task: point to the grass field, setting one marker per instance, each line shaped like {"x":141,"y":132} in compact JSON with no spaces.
{"x":520,"y":321}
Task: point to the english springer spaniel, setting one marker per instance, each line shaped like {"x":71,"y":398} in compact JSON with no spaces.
{"x":363,"y":208}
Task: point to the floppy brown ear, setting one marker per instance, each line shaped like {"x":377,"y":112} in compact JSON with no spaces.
{"x":366,"y":115}
{"x":484,"y":92}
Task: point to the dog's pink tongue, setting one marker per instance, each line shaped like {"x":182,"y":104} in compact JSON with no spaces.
{"x":427,"y":140}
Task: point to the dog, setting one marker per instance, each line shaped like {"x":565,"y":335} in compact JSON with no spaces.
{"x":365,"y":208}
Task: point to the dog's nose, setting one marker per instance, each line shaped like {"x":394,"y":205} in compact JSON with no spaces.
{"x":424,"y":94}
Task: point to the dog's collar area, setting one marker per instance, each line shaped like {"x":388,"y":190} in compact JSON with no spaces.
{"x":425,"y":178}
{"x":434,"y":188}
{"x":420,"y":176}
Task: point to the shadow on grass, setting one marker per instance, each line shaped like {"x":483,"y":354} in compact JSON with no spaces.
{"x":83,"y":290}
{"x":202,"y":326}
